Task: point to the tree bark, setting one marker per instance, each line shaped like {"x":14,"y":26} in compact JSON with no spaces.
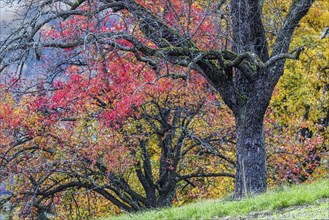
{"x":167,"y":199}
{"x":250,"y":175}
{"x":249,"y":35}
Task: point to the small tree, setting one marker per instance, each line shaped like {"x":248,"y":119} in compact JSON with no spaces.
{"x":77,"y":143}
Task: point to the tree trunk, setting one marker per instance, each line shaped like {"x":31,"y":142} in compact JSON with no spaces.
{"x":168,"y":199}
{"x":249,"y":36}
{"x":250,"y":175}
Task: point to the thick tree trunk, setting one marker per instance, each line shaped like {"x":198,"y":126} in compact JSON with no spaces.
{"x":253,"y":98}
{"x":250,"y":175}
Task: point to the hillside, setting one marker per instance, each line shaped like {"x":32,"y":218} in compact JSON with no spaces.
{"x":306,"y":201}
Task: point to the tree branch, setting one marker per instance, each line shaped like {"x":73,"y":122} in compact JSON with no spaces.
{"x":188,"y":176}
{"x":257,"y":61}
{"x":297,"y":11}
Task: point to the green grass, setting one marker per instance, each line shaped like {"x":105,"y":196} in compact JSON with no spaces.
{"x":269,"y":202}
{"x":318,"y":210}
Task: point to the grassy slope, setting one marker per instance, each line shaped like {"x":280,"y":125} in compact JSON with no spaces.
{"x":318,"y":210}
{"x":263,"y":206}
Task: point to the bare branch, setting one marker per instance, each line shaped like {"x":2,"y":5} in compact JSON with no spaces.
{"x":189,"y":176}
{"x":297,"y":11}
{"x":257,"y":61}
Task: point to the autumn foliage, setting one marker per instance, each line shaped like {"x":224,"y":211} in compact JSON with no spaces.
{"x":101,"y":129}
